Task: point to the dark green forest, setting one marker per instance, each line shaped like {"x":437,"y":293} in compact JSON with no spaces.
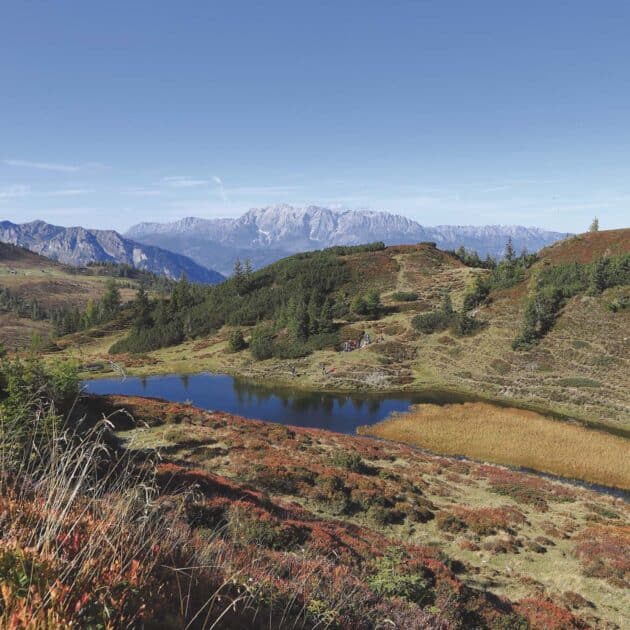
{"x":292,"y":303}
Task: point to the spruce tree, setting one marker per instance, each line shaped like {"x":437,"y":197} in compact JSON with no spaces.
{"x":142,"y":309}
{"x":373,"y":304}
{"x":447,"y":304}
{"x":111,"y":300}
{"x":597,"y":280}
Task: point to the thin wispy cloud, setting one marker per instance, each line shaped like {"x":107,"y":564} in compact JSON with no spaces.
{"x":144,"y":192}
{"x":67,"y":192}
{"x":21,"y":190}
{"x":184,"y":181}
{"x":16,"y":190}
{"x":50,"y":166}
{"x":219,"y":182}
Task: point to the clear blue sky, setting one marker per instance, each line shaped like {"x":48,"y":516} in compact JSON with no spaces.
{"x":466,"y":112}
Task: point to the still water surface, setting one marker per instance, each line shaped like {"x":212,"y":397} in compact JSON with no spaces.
{"x":342,"y":413}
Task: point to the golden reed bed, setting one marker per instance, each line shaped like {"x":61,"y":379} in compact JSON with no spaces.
{"x":513,"y":437}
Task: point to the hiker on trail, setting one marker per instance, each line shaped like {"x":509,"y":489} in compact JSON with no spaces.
{"x":293,"y":371}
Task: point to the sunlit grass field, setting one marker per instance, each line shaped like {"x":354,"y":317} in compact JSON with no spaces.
{"x":512,"y":436}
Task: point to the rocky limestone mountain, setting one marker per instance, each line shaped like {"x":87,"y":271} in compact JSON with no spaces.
{"x":267,"y":234}
{"x":79,"y":246}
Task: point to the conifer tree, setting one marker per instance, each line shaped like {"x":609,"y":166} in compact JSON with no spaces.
{"x":111,"y":301}
{"x":597,"y":280}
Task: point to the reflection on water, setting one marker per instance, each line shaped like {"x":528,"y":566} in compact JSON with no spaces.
{"x":335,"y":412}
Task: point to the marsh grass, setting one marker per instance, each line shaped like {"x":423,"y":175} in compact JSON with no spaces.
{"x":513,"y":437}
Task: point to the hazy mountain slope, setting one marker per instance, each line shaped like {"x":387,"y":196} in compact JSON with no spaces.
{"x":79,"y":246}
{"x":266,"y":234}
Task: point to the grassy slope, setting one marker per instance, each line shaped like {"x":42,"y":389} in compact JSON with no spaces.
{"x":579,"y":369}
{"x":31,"y":276}
{"x":515,"y":535}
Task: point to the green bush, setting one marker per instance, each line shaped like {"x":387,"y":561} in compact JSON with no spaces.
{"x":391,"y":579}
{"x":261,"y":343}
{"x":428,"y":323}
{"x":289,"y":349}
{"x":33,"y":401}
{"x":618,"y":304}
{"x":404,"y":296}
{"x":477,"y":294}
{"x":351,"y":461}
{"x":236,"y":341}
{"x":245,"y":527}
{"x":462,"y":324}
{"x":554,"y":284}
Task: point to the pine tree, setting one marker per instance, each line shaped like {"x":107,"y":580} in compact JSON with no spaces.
{"x":447,"y":304}
{"x":181,"y":298}
{"x":359,"y":305}
{"x":142,"y":309}
{"x":238,"y":276}
{"x":326,"y":317}
{"x":594,"y":227}
{"x":373,"y":304}
{"x":298,"y":323}
{"x":510,"y":252}
{"x":111,"y":300}
{"x":597,"y":280}
{"x":313,"y":312}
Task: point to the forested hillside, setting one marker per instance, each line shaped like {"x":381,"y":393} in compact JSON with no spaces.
{"x":547,"y":330}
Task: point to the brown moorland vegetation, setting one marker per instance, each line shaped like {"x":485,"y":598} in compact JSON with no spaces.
{"x":586,"y":247}
{"x":478,"y":545}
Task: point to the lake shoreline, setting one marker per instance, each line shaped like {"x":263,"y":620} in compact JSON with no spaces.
{"x":294,"y":384}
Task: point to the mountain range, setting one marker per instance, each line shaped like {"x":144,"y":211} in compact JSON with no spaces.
{"x":266,"y":234}
{"x":79,"y":246}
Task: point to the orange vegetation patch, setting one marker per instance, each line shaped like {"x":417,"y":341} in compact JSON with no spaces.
{"x":322,"y":511}
{"x":587,"y":247}
{"x":605,"y":552}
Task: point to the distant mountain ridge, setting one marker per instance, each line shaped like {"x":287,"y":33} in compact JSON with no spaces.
{"x":79,"y":246}
{"x":266,"y":234}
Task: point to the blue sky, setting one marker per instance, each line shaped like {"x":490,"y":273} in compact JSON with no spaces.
{"x":444,"y":111}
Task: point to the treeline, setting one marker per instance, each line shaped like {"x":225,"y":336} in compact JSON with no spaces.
{"x":123,"y":271}
{"x":504,"y":274}
{"x":293,"y":303}
{"x":472,"y":259}
{"x":553,"y":285}
{"x":66,"y":321}
{"x":21,"y":306}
